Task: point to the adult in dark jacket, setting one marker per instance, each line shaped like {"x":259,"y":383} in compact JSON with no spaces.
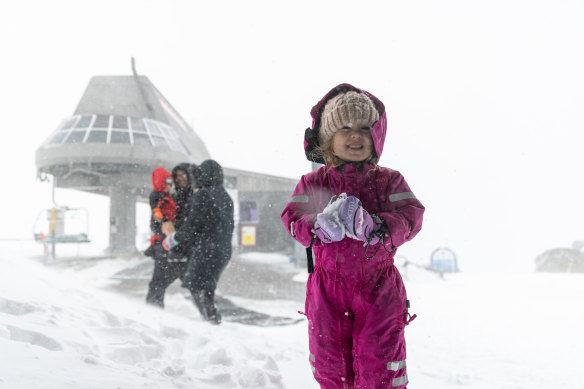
{"x":210,"y":227}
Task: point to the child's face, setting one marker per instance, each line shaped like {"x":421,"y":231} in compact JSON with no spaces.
{"x":167,"y":184}
{"x":353,"y":142}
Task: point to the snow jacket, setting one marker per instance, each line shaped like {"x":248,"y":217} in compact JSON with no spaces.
{"x":382,"y":192}
{"x":162,"y":204}
{"x":210,"y":228}
{"x":356,"y":302}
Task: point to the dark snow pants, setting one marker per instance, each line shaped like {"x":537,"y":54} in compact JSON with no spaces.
{"x":165,"y":273}
{"x":201,"y":278}
{"x":205,"y":268}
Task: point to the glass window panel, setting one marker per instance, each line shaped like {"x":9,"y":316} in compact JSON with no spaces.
{"x":142,"y":139}
{"x":159,"y":142}
{"x":101,"y":121}
{"x":84,"y":122}
{"x":153,"y":128}
{"x":120,"y":137}
{"x":58,"y":138}
{"x":120,"y":122}
{"x":69,"y":123}
{"x":97,"y":136}
{"x":75,"y":137}
{"x":248,"y":212}
{"x":137,"y":124}
{"x":176,"y":146}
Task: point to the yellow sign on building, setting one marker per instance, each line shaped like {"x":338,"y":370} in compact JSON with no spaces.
{"x":248,"y":235}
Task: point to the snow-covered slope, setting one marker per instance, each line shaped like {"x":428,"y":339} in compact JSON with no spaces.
{"x":66,"y":328}
{"x":496,"y":330}
{"x":58,"y":331}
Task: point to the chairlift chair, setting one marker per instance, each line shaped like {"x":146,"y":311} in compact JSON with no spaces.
{"x":62,"y":225}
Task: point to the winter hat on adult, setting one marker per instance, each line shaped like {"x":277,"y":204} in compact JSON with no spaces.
{"x":346,"y":108}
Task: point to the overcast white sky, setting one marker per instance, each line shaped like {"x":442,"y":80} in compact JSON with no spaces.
{"x":484,"y":99}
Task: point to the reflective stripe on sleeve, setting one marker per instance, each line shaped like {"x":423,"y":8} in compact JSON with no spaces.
{"x":395,"y":366}
{"x":399,"y":381}
{"x":299,"y":199}
{"x":401,"y":196}
{"x":312,"y":359}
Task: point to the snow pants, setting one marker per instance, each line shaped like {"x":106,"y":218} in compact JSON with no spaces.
{"x":165,"y":273}
{"x":356,"y":318}
{"x":205,"y":269}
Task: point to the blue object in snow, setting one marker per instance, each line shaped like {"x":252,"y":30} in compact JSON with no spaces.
{"x":443,"y":259}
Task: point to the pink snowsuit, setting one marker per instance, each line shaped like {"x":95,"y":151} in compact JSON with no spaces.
{"x":356,"y":307}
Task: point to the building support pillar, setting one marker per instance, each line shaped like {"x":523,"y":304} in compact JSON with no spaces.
{"x":122,"y":237}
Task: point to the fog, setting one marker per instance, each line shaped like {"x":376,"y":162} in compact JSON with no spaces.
{"x":484,"y":100}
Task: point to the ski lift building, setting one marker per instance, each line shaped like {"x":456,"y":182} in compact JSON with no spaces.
{"x":122,"y":129}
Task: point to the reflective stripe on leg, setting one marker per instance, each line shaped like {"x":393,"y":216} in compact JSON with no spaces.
{"x":394,"y":366}
{"x":400,"y":381}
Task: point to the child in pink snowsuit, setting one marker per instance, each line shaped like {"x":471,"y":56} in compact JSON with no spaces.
{"x":355,"y":213}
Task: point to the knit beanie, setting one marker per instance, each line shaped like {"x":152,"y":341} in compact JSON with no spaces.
{"x":343,"y":109}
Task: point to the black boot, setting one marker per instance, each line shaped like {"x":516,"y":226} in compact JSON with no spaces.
{"x":212,"y":315}
{"x":198,"y":299}
{"x":154,"y":297}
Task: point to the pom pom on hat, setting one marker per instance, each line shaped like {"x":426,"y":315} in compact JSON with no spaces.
{"x":343,"y":109}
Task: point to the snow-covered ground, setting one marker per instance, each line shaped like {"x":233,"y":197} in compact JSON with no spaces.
{"x":65,"y":328}
{"x":497,"y":330}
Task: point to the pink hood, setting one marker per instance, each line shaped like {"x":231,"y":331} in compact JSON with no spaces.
{"x":378,"y":130}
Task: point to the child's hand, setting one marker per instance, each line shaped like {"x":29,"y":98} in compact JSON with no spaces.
{"x":358,"y":222}
{"x":328,"y":228}
{"x":157,"y":214}
{"x":334,"y":203}
{"x":167,"y":228}
{"x":169,"y":242}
